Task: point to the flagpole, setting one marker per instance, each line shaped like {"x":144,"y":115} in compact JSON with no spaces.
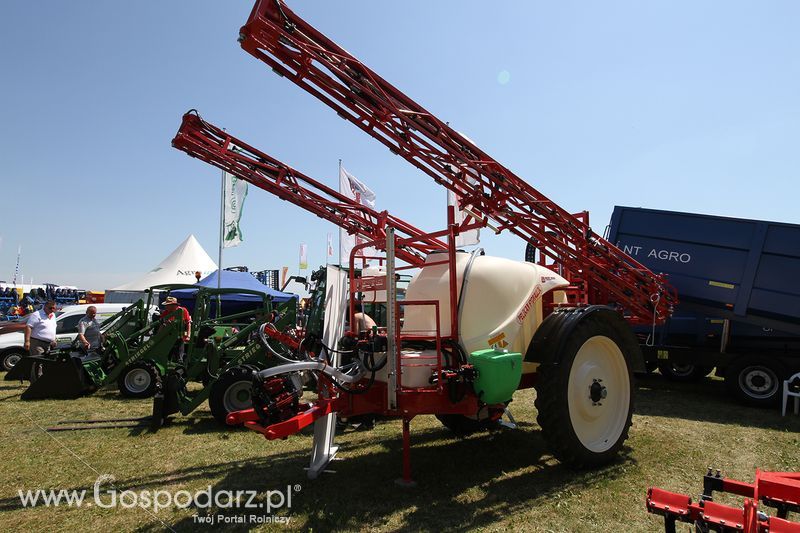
{"x":221,"y":237}
{"x":16,"y":269}
{"x":339,"y":177}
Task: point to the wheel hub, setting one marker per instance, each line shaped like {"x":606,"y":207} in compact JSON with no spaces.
{"x":597,"y":417}
{"x":597,"y":391}
{"x":238,"y":396}
{"x":759,"y":381}
{"x":138,"y":380}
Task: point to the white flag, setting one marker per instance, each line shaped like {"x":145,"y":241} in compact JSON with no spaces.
{"x":303,"y":257}
{"x":351,"y":187}
{"x":234,"y":193}
{"x":465,"y":238}
{"x":330,"y":245}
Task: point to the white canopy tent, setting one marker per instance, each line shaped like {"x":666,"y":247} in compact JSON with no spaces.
{"x":179,"y":267}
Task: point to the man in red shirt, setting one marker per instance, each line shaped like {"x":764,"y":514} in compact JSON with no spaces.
{"x":171,"y":313}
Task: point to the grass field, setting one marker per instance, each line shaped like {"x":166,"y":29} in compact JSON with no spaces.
{"x":500,"y":481}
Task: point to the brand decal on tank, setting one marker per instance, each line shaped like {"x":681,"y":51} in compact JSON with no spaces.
{"x":537,"y":291}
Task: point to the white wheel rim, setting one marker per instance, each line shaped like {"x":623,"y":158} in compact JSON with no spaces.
{"x":758,"y":382}
{"x":137,"y":380}
{"x":599,"y":369}
{"x":237,"y":397}
{"x":12,"y":360}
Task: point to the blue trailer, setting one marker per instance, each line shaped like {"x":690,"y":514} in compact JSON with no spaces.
{"x":739,"y":287}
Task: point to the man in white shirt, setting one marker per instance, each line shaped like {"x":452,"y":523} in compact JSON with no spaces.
{"x":40,"y":330}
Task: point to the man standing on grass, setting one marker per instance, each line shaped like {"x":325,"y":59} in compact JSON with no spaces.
{"x":40,"y":330}
{"x":173,"y":311}
{"x":89,"y":330}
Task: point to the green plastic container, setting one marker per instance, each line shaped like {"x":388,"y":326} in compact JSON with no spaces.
{"x":499,"y":374}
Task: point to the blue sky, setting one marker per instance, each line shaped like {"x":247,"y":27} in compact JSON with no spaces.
{"x":680,"y":105}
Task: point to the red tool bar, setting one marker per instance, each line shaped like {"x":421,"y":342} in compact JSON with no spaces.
{"x":296,"y":50}
{"x":213,"y":145}
{"x":780,"y":490}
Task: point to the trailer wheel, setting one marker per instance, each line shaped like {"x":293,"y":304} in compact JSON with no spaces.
{"x":138,"y":381}
{"x":11,"y":358}
{"x":683,"y":372}
{"x":233,"y":391}
{"x":585,"y":394}
{"x":755,"y":381}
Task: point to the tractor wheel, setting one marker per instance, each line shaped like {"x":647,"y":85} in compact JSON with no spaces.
{"x":756,"y":381}
{"x":138,"y":381}
{"x":231,"y":392}
{"x":585,"y":394}
{"x":11,"y":358}
{"x":683,"y":372}
{"x":462,"y":425}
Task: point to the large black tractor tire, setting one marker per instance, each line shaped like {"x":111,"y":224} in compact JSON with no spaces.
{"x":138,"y":380}
{"x":11,"y":358}
{"x":756,"y":381}
{"x":585,"y":390}
{"x":683,"y":372}
{"x":231,"y":392}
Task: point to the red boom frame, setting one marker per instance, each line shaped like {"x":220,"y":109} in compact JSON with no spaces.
{"x":601,"y":272}
{"x":214,"y":145}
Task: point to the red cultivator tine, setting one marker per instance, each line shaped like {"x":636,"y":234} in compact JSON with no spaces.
{"x":778,"y":490}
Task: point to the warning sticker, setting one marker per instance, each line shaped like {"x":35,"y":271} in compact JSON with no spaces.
{"x":498,"y":341}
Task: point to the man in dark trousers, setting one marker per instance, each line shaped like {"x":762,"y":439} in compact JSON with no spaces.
{"x":40,"y":330}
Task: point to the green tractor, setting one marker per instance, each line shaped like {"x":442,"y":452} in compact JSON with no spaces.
{"x":71,"y":372}
{"x":222,"y":358}
{"x":138,"y":349}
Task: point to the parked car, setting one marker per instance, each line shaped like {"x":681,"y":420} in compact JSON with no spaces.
{"x":12,"y":337}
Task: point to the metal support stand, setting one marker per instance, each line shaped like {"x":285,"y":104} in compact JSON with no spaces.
{"x":392,"y":332}
{"x":512,"y":423}
{"x":324,"y":451}
{"x":406,"y":480}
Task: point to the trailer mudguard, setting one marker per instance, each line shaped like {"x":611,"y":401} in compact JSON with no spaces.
{"x":555,"y":329}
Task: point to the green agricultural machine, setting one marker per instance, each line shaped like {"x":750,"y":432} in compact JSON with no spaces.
{"x":224,"y":355}
{"x":139,"y":351}
{"x":71,"y":372}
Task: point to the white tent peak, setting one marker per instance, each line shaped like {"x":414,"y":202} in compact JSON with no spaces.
{"x":178,"y":267}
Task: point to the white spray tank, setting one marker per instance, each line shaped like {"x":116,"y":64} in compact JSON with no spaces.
{"x":500,"y":304}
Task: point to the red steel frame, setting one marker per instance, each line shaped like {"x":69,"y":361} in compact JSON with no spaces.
{"x":215,"y":146}
{"x":602,"y":273}
{"x":775,"y":489}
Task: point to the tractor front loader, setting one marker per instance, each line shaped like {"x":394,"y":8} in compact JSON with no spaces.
{"x":134,"y":351}
{"x":70,"y":372}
